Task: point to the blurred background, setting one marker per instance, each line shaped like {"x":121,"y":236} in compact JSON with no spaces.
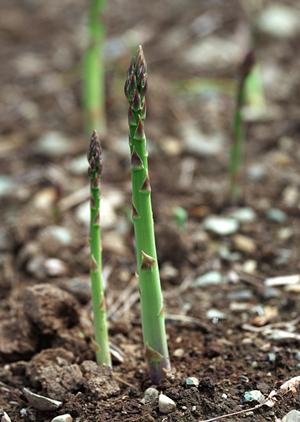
{"x":193,"y":50}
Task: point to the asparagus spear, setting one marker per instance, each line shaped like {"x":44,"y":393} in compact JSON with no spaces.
{"x":93,"y":70}
{"x":98,"y":300}
{"x":153,"y":321}
{"x":236,"y":152}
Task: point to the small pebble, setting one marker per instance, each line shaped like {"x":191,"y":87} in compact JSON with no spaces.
{"x":291,"y":196}
{"x":272,"y":357}
{"x":244,"y":244}
{"x":7,"y":185}
{"x":256,"y":172}
{"x":222,"y":226}
{"x":279,"y":21}
{"x":54,"y":238}
{"x":241,"y":295}
{"x":227,"y":255}
{"x":54,"y":144}
{"x":215,"y":316}
{"x":285,"y":233}
{"x":271,"y":293}
{"x":55,"y":267}
{"x":292,"y":416}
{"x":41,"y":402}
{"x":178,"y":353}
{"x":165,"y":404}
{"x":224,"y":396}
{"x":250,"y":266}
{"x":63,"y":418}
{"x":212,"y":278}
{"x":244,"y":215}
{"x":276,"y":215}
{"x":297,"y":356}
{"x":23,"y":412}
{"x":150,"y":395}
{"x":254,"y":395}
{"x":4,"y":417}
{"x":78,"y":165}
{"x":192,"y":382}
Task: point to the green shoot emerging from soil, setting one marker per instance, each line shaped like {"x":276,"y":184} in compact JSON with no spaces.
{"x":236,"y":152}
{"x":255,"y":97}
{"x":153,"y":320}
{"x":93,"y":70}
{"x":98,"y":300}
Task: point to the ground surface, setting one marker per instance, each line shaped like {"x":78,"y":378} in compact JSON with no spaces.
{"x":227,"y":335}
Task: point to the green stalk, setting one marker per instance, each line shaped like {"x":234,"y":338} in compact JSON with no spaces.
{"x":254,"y":90}
{"x":236,"y":153}
{"x":93,"y":70}
{"x":153,"y":321}
{"x":255,"y":96}
{"x":98,"y":300}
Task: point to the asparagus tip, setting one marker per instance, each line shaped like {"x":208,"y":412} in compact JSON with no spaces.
{"x":247,"y":64}
{"x":94,"y":155}
{"x":136,"y":81}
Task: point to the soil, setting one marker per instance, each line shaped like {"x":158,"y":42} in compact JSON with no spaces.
{"x":45,"y":312}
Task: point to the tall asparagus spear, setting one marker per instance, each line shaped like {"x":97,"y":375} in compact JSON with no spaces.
{"x":98,"y":300}
{"x":93,"y":70}
{"x":153,"y":322}
{"x":236,"y":152}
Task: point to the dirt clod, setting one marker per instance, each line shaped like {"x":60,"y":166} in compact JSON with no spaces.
{"x":98,"y":381}
{"x":55,"y":372}
{"x":49,"y":308}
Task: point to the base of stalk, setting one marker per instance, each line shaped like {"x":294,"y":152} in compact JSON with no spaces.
{"x":158,"y":370}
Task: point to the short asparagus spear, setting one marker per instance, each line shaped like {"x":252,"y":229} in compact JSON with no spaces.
{"x":236,"y":152}
{"x":255,"y":97}
{"x":93,"y":69}
{"x":98,"y":300}
{"x":153,"y":321}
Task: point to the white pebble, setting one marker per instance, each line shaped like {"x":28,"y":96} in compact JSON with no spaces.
{"x":165,"y":404}
{"x":150,"y":395}
{"x":192,"y":382}
{"x":63,"y":418}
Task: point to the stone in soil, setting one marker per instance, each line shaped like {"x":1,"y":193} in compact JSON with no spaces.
{"x":63,"y":418}
{"x":165,"y":404}
{"x":211,"y":278}
{"x":243,"y":215}
{"x":50,"y":309}
{"x":222,"y":226}
{"x":192,"y":382}
{"x":150,"y":395}
{"x":39,"y":402}
{"x":53,"y":239}
{"x":4,"y":417}
{"x":276,"y":215}
{"x":292,"y":416}
{"x":254,"y":396}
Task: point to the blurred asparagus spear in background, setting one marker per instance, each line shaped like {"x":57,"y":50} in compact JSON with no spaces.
{"x":236,"y":153}
{"x":255,"y":97}
{"x":153,"y":321}
{"x":93,"y":70}
{"x":98,"y":300}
